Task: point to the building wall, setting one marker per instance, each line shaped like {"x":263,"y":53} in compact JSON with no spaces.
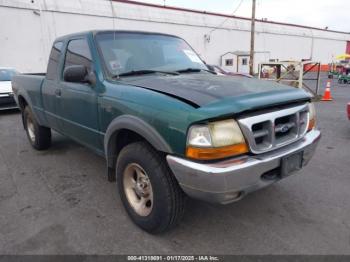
{"x":27,"y":30}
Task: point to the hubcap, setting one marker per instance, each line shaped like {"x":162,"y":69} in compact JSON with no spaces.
{"x":30,"y":128}
{"x":138,"y":189}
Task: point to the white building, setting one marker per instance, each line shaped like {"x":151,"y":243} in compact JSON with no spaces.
{"x":238,"y":61}
{"x":28,"y":27}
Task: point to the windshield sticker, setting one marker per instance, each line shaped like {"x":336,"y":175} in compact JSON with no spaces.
{"x":115,"y":65}
{"x":192,"y":55}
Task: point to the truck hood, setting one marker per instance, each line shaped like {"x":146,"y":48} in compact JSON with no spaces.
{"x":5,"y":87}
{"x":207,"y":90}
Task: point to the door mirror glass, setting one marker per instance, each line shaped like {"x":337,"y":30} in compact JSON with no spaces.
{"x":76,"y":74}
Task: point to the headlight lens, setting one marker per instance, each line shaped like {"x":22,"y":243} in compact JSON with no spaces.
{"x":199,"y":136}
{"x":312,"y":117}
{"x":225,"y":133}
{"x":216,"y":140}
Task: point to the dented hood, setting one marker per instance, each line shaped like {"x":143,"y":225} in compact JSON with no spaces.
{"x":201,"y":89}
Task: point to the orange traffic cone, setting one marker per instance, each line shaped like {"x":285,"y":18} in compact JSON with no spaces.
{"x":327,"y":93}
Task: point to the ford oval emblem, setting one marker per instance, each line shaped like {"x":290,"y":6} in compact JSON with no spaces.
{"x":284,"y":129}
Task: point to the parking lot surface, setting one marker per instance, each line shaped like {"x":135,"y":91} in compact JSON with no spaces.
{"x":59,"y":202}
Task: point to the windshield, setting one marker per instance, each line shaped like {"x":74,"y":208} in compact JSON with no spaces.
{"x":125,"y":52}
{"x":7,"y":74}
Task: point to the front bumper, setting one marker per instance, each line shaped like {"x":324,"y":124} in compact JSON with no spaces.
{"x":229,"y":180}
{"x":7,"y":101}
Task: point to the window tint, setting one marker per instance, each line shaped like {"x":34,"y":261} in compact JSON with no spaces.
{"x":78,"y":53}
{"x":53,"y":61}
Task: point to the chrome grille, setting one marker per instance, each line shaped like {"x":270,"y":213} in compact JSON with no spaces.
{"x":271,"y":130}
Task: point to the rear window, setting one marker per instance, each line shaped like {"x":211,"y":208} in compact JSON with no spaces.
{"x":53,"y":61}
{"x":7,"y":74}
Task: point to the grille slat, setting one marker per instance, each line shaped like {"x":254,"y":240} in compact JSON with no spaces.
{"x":271,"y":130}
{"x":260,"y":133}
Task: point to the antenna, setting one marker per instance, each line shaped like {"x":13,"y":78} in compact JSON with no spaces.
{"x":113,"y":18}
{"x":113,"y":14}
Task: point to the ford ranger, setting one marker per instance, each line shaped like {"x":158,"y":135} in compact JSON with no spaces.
{"x":168,"y":126}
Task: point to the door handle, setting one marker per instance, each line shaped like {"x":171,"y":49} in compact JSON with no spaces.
{"x":58,"y":92}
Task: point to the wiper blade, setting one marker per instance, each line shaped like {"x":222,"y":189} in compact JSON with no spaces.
{"x":144,"y":72}
{"x":194,"y":70}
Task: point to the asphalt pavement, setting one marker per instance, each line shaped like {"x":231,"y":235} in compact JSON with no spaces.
{"x":60,"y":202}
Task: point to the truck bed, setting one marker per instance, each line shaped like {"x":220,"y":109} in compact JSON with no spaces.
{"x":29,"y":86}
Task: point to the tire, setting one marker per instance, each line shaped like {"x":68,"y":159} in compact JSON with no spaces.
{"x":38,"y":136}
{"x":163,"y":200}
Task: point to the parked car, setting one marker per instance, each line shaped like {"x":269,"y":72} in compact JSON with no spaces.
{"x":348,"y":110}
{"x":217,"y":69}
{"x":6,"y":95}
{"x":166,"y":125}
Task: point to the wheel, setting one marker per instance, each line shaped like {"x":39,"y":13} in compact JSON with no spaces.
{"x":39,"y":136}
{"x":149,"y":191}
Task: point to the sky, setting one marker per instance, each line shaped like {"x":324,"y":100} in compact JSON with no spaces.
{"x":334,"y":14}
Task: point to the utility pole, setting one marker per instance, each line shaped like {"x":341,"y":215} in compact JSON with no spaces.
{"x":252,"y":36}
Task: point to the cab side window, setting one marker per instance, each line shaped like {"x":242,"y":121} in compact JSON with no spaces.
{"x":78,"y":53}
{"x":53,"y":61}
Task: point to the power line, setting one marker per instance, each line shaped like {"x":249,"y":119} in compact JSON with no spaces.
{"x":223,"y":22}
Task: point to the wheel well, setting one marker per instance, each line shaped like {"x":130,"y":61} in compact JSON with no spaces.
{"x":22,"y":102}
{"x":118,"y":141}
{"x":22,"y":105}
{"x":125,"y":137}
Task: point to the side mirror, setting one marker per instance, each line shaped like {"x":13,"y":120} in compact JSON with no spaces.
{"x":76,"y":74}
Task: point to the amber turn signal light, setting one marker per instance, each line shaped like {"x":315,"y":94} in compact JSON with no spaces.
{"x":216,"y":153}
{"x":312,"y":124}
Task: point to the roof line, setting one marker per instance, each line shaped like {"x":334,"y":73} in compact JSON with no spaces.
{"x":223,"y":15}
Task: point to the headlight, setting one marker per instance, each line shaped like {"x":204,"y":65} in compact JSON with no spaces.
{"x":216,"y":140}
{"x":312,"y":117}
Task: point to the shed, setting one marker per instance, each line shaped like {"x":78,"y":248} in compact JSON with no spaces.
{"x":238,"y":61}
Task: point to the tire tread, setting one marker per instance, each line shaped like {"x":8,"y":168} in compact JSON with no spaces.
{"x":175,"y":195}
{"x":42,"y":133}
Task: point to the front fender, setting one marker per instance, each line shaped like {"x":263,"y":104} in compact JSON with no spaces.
{"x":136,"y":125}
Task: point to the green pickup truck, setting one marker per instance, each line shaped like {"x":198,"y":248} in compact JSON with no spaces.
{"x":168,"y":126}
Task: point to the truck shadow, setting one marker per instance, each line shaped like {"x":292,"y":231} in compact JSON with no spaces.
{"x":9,"y":112}
{"x":62,"y":145}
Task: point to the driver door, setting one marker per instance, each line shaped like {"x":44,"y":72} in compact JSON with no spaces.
{"x":78,"y":101}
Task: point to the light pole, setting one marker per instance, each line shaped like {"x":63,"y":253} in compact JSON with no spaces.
{"x":252,"y":36}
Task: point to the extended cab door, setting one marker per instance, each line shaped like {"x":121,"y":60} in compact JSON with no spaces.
{"x":78,"y":101}
{"x":51,"y":87}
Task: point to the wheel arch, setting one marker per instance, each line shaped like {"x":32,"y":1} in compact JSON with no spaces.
{"x":125,"y":129}
{"x":22,"y":102}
